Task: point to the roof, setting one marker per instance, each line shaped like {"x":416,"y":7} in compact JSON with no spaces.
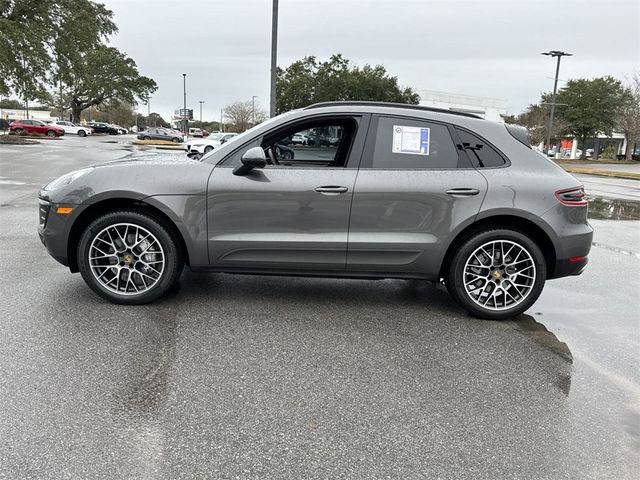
{"x":390,"y":105}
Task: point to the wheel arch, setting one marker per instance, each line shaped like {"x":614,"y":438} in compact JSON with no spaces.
{"x":521,"y":224}
{"x":108,"y":205}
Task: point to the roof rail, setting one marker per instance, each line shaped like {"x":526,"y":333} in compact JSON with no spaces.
{"x":390,"y":105}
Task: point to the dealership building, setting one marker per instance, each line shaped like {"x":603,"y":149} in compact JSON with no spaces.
{"x":489,"y":108}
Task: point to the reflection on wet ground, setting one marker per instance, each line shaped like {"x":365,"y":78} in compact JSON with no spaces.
{"x":538,"y":333}
{"x":613,"y":209}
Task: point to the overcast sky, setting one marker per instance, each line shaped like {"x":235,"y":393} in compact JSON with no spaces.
{"x":476,"y":47}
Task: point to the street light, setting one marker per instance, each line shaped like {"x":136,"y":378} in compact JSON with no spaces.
{"x":274,"y":58}
{"x":200,"y":102}
{"x":253,"y":109}
{"x":559,"y":54}
{"x":184,"y":112}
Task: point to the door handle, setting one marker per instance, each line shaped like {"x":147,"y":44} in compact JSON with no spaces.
{"x":465,"y":192}
{"x":331,"y":190}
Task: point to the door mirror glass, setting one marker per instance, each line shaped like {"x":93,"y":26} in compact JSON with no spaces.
{"x":252,"y":158}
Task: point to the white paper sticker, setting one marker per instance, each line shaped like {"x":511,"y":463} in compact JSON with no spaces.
{"x":411,"y":140}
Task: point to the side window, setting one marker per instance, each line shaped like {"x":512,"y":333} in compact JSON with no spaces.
{"x":319,"y":143}
{"x":27,"y":122}
{"x":402,"y":143}
{"x":479,"y":151}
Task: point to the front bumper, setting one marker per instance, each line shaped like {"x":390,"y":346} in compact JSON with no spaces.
{"x":54,"y":229}
{"x":194,"y":148}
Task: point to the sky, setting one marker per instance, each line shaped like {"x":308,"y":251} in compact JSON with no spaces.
{"x":485,"y":48}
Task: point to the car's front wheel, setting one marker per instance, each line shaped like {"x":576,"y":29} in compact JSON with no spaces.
{"x":51,"y":133}
{"x":82,"y":133}
{"x":175,"y":140}
{"x":129,"y":257}
{"x":208,"y":149}
{"x":497,"y":274}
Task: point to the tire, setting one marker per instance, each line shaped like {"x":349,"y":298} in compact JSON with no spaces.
{"x":485,"y":285}
{"x":18,"y":131}
{"x":82,"y":133}
{"x":105,"y":263}
{"x":175,"y":140}
{"x":208,"y":149}
{"x":146,"y":137}
{"x":51,"y":133}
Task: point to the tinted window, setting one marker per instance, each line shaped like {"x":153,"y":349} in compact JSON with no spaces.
{"x":413,"y":144}
{"x":479,"y":151}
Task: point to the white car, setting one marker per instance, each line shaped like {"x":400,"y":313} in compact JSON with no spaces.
{"x":299,"y":139}
{"x":72,"y":128}
{"x":205,"y":145}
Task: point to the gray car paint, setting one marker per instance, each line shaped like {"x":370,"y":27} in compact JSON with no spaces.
{"x":298,"y":229}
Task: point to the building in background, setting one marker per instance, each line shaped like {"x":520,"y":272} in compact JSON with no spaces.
{"x":493,"y":109}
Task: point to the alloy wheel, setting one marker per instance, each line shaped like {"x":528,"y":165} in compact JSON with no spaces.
{"x":499,"y":275}
{"x":126,"y":259}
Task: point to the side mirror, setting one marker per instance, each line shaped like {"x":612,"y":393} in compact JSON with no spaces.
{"x":252,"y":158}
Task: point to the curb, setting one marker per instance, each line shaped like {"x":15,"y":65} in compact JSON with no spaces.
{"x":602,"y":173}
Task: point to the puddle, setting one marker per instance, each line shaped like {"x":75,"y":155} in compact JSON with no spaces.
{"x":560,"y":375}
{"x":613,"y":209}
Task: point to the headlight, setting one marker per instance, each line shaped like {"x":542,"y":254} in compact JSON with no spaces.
{"x":65,"y":180}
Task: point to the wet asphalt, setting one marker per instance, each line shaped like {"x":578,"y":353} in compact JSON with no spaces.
{"x":273,"y":377}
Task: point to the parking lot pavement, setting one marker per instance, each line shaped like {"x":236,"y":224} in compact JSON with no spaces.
{"x":266,"y":377}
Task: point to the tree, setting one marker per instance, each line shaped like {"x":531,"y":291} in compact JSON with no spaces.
{"x":62,"y":44}
{"x":32,"y":32}
{"x":589,"y":107}
{"x":88,"y":85}
{"x":536,"y":119}
{"x":242,"y":116}
{"x":628,"y":115}
{"x":308,"y":81}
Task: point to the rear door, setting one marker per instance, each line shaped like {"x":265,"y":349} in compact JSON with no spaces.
{"x":414,"y":188}
{"x":294,"y":213}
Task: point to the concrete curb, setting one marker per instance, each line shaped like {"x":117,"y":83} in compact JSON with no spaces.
{"x":602,"y":173}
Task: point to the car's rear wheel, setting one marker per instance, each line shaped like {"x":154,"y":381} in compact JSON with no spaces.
{"x":51,"y":133}
{"x":82,"y":133}
{"x":497,"y":274}
{"x":129,"y":257}
{"x":208,"y":149}
{"x":146,"y":137}
{"x":19,"y":131}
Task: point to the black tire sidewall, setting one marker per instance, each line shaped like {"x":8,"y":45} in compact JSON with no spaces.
{"x":455,"y":278}
{"x":173,"y":256}
{"x":208,"y":149}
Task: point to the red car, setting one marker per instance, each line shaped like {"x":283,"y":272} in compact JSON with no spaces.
{"x":35,"y":126}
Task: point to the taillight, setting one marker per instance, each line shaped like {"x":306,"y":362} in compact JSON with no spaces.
{"x":574,"y":197}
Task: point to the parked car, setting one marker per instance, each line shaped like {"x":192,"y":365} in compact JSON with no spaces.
{"x":160,"y":134}
{"x":205,"y":145}
{"x":411,"y":192}
{"x":298,"y":139}
{"x":35,"y":127}
{"x":72,"y":128}
{"x":101,"y":127}
{"x":196,"y":132}
{"x":121,"y":130}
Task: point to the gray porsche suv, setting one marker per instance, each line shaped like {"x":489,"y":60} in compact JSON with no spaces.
{"x":386,"y":191}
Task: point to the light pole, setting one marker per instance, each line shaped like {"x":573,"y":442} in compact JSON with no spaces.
{"x":184,"y":91}
{"x":274,"y":58}
{"x":149,"y":111}
{"x":200,"y":102}
{"x":253,"y":109}
{"x":559,"y":54}
{"x":221,"y":126}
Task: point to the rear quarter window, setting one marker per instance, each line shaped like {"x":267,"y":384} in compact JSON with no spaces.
{"x":480,"y":152}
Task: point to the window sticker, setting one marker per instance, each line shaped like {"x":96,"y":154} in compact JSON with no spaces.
{"x":411,"y":140}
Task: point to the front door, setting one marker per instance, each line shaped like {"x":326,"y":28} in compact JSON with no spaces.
{"x":294,"y":213}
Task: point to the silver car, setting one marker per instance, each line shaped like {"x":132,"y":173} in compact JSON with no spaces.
{"x":405,"y":192}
